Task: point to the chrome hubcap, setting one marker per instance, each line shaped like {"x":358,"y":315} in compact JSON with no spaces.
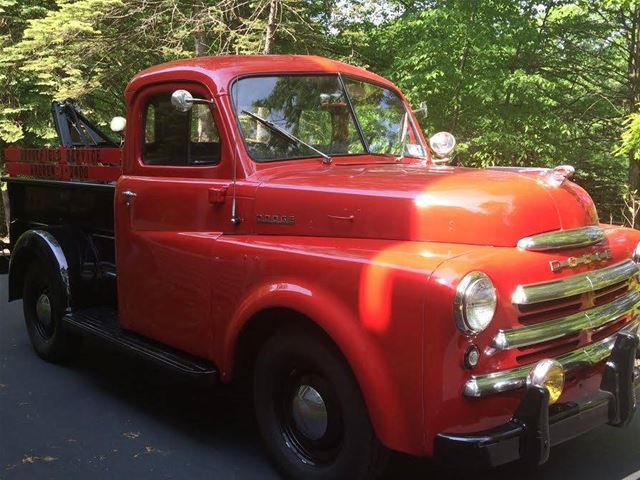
{"x":309,"y":412}
{"x":43,"y":310}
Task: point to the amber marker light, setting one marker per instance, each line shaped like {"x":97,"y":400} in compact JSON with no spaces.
{"x":548,"y":374}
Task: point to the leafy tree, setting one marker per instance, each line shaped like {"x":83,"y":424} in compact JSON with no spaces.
{"x":524,"y":82}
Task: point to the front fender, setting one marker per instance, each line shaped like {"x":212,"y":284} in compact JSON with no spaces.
{"x":394,"y":425}
{"x":369,"y":296}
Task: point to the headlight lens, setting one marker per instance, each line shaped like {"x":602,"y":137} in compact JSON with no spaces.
{"x":475,"y":303}
{"x":636,"y":254}
{"x":442,"y":143}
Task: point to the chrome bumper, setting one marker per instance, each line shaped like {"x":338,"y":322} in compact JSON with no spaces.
{"x":536,"y":426}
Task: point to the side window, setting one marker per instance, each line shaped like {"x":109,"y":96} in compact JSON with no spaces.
{"x":204,"y":140}
{"x":179,"y":138}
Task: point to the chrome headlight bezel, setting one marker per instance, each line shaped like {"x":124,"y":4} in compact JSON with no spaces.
{"x":464,"y":318}
{"x":442,"y":144}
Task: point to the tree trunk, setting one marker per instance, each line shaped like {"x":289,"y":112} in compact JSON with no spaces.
{"x":457,"y":96}
{"x":262,"y":133}
{"x":634,"y":91}
{"x":634,"y":172}
{"x":272,"y":25}
{"x":200,"y":43}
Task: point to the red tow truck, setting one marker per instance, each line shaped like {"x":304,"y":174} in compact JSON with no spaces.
{"x":283,"y":219}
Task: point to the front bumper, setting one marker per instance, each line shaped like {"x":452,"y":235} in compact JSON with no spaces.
{"x":537,"y":426}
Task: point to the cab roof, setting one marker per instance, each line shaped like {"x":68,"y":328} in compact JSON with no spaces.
{"x":221,"y":70}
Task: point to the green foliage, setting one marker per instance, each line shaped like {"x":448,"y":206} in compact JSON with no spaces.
{"x":519,"y":82}
{"x":631,"y":134}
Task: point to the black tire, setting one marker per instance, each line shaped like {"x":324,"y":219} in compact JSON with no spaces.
{"x":337,"y":441}
{"x":43,"y":286}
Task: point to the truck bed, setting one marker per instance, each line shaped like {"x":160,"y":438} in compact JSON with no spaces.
{"x":69,"y":192}
{"x":62,"y":187}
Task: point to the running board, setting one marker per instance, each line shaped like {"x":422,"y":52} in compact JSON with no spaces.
{"x":102,"y":322}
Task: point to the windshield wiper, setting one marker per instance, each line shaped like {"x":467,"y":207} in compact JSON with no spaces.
{"x":292,"y":138}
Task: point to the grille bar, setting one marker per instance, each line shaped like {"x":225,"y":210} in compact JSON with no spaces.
{"x":577,"y":237}
{"x":515,"y":378}
{"x":554,"y":329}
{"x":575,"y":285}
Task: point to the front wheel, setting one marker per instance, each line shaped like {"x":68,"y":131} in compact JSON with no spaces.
{"x":311,"y":413}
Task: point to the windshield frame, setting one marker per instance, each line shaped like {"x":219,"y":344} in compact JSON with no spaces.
{"x":341,"y":76}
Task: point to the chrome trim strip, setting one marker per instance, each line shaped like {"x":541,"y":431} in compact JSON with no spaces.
{"x":521,"y":169}
{"x":558,"y":328}
{"x":577,"y":237}
{"x":65,"y":183}
{"x":575,"y":285}
{"x":482,"y":385}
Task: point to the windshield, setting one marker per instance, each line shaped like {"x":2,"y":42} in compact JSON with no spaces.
{"x":317,"y":110}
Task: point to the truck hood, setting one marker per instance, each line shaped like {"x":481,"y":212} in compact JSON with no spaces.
{"x":416,"y":202}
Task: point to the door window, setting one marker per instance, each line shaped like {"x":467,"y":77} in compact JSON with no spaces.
{"x":179,"y":138}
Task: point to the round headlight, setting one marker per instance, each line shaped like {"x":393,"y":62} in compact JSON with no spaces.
{"x":636,"y":254}
{"x":474,"y":303}
{"x":442,"y":143}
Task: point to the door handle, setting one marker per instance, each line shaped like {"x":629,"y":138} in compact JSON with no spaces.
{"x":217,"y":195}
{"x":128,"y":196}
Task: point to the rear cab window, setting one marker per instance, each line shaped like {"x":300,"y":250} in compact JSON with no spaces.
{"x":174,"y":138}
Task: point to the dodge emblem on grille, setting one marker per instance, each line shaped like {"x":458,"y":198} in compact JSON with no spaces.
{"x":573,"y":262}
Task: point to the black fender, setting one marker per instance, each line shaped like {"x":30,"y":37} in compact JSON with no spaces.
{"x":73,"y":255}
{"x":30,"y":246}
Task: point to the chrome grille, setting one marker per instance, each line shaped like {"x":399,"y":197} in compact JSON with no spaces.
{"x":575,"y":285}
{"x":593,"y":318}
{"x":543,"y":311}
{"x":561,"y":309}
{"x":506,"y":380}
{"x":574,"y":320}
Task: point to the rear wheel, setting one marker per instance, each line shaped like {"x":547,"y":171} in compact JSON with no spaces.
{"x":44,"y":302}
{"x":311,"y":413}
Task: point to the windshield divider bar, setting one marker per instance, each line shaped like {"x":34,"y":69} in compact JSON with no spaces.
{"x":353,"y":114}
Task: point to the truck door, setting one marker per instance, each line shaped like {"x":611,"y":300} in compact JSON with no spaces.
{"x":168,"y":216}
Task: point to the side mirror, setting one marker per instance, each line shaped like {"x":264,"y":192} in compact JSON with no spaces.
{"x":183,"y":101}
{"x":118,"y":124}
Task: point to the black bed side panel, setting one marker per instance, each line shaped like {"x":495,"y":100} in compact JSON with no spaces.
{"x":80,"y":216}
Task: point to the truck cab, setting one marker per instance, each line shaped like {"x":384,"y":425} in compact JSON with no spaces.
{"x":283,"y":219}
